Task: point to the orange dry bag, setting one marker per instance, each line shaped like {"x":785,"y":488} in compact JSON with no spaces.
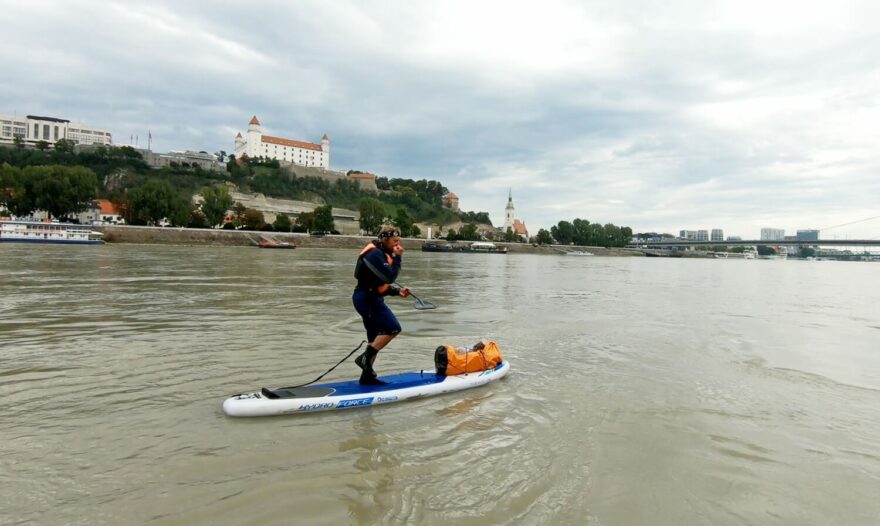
{"x":481,"y":357}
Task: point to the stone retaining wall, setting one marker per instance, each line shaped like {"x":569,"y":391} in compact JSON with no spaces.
{"x":196,"y":236}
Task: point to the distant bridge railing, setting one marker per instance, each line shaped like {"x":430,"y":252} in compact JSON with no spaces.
{"x":672,"y":243}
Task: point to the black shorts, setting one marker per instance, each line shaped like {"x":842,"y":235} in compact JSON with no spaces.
{"x":378,"y":318}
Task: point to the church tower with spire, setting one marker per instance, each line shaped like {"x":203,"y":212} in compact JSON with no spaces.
{"x":508,"y":212}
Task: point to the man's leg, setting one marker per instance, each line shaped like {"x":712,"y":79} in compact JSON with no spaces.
{"x":368,"y":358}
{"x":380,"y":342}
{"x":382,"y":327}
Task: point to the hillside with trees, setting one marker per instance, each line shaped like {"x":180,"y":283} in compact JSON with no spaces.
{"x":64,"y":180}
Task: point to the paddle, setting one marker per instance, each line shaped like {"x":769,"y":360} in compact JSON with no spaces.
{"x":419,"y":303}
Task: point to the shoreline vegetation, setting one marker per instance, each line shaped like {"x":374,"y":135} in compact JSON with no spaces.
{"x":64,"y":179}
{"x":150,"y":235}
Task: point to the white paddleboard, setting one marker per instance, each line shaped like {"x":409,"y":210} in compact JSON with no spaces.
{"x":344,"y":395}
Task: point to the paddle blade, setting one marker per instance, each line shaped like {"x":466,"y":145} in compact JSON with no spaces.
{"x":424,"y":305}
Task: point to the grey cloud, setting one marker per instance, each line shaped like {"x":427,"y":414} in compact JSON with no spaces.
{"x":634,"y":130}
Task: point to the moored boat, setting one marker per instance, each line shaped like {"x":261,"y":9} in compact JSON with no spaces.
{"x":38,"y":232}
{"x":490,"y":248}
{"x":271,"y":242}
{"x":476,"y":246}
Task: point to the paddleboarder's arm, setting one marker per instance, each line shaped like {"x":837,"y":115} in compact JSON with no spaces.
{"x":377,"y":264}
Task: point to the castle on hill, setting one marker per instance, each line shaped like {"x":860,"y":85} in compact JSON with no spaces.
{"x":300,"y":153}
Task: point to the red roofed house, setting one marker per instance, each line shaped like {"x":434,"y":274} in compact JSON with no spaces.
{"x":365,"y":180}
{"x":450,"y":200}
{"x":101,"y":212}
{"x":256,"y":144}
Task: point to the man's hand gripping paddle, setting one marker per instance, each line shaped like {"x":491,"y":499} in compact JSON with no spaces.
{"x":419,"y":303}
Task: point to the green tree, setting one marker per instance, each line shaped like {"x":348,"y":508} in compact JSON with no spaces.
{"x":563,"y":232}
{"x":197,"y":219}
{"x":16,"y":194}
{"x":806,"y":252}
{"x":18,"y":142}
{"x":469,"y":232}
{"x":62,"y":190}
{"x":583,"y":233}
{"x":181,"y":212}
{"x":764,"y":250}
{"x":238,"y":211}
{"x":42,"y":146}
{"x":382,"y":183}
{"x":215,"y":202}
{"x":511,"y":237}
{"x":305,"y":222}
{"x":253,"y":219}
{"x":151,"y":202}
{"x":544,"y":237}
{"x":405,"y":223}
{"x":282,"y":223}
{"x":324,"y":219}
{"x":65,"y":146}
{"x":372,"y":213}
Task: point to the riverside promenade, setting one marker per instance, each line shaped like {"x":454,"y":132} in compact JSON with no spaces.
{"x":198,"y":236}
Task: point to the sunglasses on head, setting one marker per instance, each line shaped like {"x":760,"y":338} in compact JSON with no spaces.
{"x":393,"y":233}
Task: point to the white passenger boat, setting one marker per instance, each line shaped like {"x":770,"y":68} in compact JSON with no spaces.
{"x":37,"y":232}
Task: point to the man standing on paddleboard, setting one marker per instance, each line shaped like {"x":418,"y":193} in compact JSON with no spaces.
{"x":377,"y":268}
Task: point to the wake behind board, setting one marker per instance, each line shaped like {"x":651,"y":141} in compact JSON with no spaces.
{"x":344,"y":395}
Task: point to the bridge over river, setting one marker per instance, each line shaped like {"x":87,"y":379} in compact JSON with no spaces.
{"x":677,"y":243}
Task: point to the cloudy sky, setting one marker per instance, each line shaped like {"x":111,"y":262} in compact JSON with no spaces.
{"x":660,"y":116}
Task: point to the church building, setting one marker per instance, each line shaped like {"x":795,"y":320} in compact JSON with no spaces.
{"x":256,"y":144}
{"x":515,"y":225}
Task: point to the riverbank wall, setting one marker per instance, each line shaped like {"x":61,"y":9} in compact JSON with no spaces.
{"x":196,"y":236}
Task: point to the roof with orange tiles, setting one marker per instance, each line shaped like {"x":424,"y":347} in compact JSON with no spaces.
{"x":289,"y":142}
{"x":107,"y":207}
{"x":238,"y":135}
{"x":451,"y":195}
{"x":255,"y":120}
{"x":519,"y":227}
{"x":362,"y":175}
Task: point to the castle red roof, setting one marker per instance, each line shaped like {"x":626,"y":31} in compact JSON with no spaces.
{"x":290,"y":142}
{"x":254,"y":120}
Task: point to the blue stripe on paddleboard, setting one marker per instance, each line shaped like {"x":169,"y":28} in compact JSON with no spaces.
{"x":395,"y":381}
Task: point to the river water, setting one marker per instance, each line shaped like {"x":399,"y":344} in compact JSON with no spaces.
{"x":642,"y":391}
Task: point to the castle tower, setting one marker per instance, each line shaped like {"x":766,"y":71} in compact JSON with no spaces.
{"x":508,"y":212}
{"x":240,"y":145}
{"x":254,"y":138}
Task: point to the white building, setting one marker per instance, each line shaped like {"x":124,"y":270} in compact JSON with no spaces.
{"x":515,"y":225}
{"x":256,"y":144}
{"x":772,"y":234}
{"x":717,"y":235}
{"x":33,"y":130}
